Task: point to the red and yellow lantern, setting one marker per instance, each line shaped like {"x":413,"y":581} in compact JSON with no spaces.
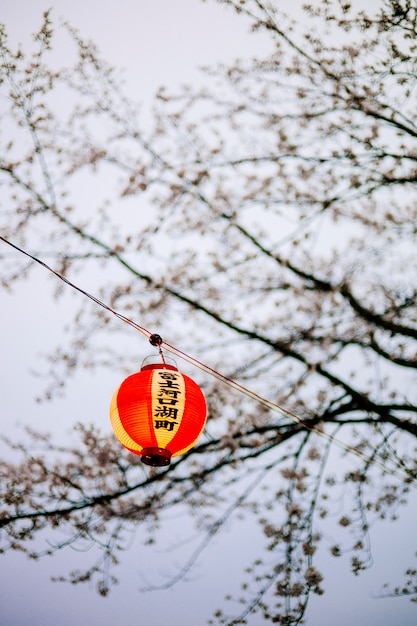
{"x":158,"y":413}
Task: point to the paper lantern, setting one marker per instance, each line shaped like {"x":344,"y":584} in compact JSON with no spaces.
{"x":158,"y":413}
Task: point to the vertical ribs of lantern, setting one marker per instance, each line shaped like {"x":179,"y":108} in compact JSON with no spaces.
{"x":137,"y":408}
{"x":168,"y":404}
{"x":118,"y":427}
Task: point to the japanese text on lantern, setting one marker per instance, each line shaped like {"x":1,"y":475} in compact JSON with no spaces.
{"x":169,"y":399}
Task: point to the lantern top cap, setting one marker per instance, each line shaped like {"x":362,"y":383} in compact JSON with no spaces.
{"x":155,"y":362}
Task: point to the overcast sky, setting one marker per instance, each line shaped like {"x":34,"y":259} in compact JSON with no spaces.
{"x":159,"y":42}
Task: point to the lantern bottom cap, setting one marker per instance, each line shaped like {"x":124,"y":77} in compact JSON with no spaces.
{"x":156,"y":457}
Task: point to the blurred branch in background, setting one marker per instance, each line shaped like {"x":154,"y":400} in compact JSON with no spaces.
{"x":266,"y":223}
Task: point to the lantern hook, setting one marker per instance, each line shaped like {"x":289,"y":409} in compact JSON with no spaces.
{"x":155,"y":340}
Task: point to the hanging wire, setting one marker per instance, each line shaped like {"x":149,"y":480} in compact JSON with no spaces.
{"x":121,"y":317}
{"x":157,"y":341}
{"x":400,"y":473}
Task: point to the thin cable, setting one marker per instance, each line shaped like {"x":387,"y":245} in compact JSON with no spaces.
{"x":273,"y":406}
{"x":121,"y":317}
{"x":400,"y":473}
